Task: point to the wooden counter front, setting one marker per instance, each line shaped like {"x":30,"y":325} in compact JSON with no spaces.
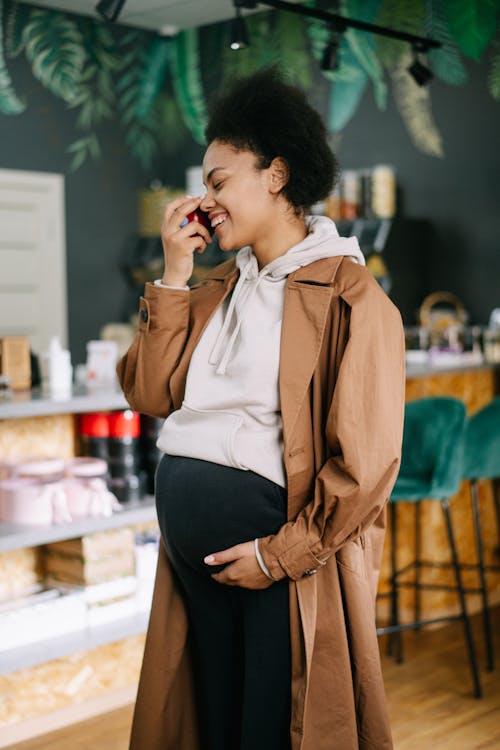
{"x":475,"y":387}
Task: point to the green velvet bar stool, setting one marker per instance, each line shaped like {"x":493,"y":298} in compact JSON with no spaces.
{"x":431,"y":469}
{"x":482,"y":461}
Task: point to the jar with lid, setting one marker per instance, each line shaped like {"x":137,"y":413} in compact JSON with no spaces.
{"x":35,"y":493}
{"x":383,"y":191}
{"x":350,"y":194}
{"x":86,"y":488}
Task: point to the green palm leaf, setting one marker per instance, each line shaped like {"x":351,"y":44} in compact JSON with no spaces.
{"x":494,"y":73}
{"x":141,"y":79}
{"x":363,"y":46}
{"x":187,"y":81}
{"x":344,"y":101}
{"x":55,"y":50}
{"x":155,"y":67}
{"x":16,"y":20}
{"x":444,"y":61}
{"x":82,"y":149}
{"x":472,"y":23}
{"x":96,"y":97}
{"x":10,"y":104}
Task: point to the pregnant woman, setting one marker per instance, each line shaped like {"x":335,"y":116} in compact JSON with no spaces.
{"x":281,"y":381}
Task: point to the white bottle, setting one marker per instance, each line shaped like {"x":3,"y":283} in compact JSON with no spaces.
{"x":57,"y":371}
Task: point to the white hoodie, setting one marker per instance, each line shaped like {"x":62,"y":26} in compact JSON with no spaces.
{"x":231,"y":411}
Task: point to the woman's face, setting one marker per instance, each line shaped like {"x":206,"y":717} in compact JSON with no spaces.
{"x":241,"y":199}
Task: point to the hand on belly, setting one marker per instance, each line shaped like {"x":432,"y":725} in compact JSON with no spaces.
{"x":242,"y":568}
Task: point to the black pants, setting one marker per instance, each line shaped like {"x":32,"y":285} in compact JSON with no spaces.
{"x":241,"y":639}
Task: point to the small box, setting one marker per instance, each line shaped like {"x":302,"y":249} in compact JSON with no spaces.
{"x":91,"y":559}
{"x":15,"y":361}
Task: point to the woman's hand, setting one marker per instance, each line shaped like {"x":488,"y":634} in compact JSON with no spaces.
{"x":244,"y":569}
{"x":179,"y":243}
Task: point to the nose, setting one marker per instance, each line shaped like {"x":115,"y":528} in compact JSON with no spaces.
{"x":207,"y":203}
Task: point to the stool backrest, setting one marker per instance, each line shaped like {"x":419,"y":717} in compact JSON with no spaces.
{"x":433,"y":443}
{"x":482,"y":443}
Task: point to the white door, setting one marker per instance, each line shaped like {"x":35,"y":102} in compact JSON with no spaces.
{"x":33,"y":299}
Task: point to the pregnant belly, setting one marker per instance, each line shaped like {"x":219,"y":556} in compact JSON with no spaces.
{"x":205,"y":507}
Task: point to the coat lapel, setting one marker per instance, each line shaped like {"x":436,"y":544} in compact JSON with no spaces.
{"x":205,"y":299}
{"x":308,"y":293}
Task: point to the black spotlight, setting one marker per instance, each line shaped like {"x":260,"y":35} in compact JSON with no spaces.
{"x":330,"y":59}
{"x":419,"y":72}
{"x":238,"y":32}
{"x":110,"y":9}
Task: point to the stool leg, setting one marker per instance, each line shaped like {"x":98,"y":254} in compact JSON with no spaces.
{"x":463,"y":606}
{"x":496,"y":498}
{"x":394,"y":637}
{"x":418,"y":568}
{"x":482,"y":575}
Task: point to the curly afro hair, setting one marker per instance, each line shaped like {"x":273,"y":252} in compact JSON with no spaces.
{"x":265,"y":114}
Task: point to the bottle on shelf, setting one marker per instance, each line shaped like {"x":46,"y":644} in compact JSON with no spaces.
{"x":125,"y":482}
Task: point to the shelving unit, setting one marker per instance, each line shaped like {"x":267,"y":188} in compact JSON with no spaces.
{"x":31,"y":423}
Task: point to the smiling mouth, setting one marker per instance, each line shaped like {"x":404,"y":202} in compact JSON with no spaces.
{"x":219,"y":220}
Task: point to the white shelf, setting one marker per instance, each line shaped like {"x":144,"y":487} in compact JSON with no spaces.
{"x":17,"y":536}
{"x":86,"y":639}
{"x":36,"y":403}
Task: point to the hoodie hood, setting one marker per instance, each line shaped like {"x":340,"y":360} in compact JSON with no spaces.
{"x":322,"y":241}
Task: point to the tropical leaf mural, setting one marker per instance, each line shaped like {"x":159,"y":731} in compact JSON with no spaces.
{"x":156,"y":87}
{"x":142,"y":77}
{"x":188,"y":84}
{"x":14,"y":26}
{"x":10,"y":104}
{"x":54,"y":46}
{"x":444,"y":61}
{"x":472,"y":23}
{"x":96,"y":100}
{"x":414,"y":105}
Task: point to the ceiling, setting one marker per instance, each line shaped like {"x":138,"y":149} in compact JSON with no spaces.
{"x":165,"y":16}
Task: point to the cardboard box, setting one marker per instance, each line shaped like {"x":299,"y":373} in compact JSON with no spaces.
{"x":15,"y":362}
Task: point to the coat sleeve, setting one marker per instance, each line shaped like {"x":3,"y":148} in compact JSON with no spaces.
{"x":364,"y":430}
{"x":145,"y":370}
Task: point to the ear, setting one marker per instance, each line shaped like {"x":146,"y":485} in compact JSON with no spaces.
{"x":278,"y":174}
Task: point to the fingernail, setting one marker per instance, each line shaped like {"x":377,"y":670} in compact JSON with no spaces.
{"x":209,"y":559}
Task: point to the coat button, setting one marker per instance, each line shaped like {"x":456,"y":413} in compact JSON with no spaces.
{"x":144,"y":316}
{"x":310,"y":571}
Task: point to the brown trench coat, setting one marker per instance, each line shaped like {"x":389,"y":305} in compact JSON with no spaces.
{"x":342,"y":385}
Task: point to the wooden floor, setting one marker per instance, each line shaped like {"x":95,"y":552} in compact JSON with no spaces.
{"x":430,"y":701}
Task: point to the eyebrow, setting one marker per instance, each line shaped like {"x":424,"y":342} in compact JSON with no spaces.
{"x":209,"y":175}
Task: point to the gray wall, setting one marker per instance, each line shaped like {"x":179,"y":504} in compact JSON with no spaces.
{"x":458,"y":195}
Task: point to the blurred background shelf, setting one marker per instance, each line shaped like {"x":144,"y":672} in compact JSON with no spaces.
{"x":17,"y":536}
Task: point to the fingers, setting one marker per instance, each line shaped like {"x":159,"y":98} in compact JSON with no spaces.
{"x":177,"y":206}
{"x":193,"y":228}
{"x":227,"y":555}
